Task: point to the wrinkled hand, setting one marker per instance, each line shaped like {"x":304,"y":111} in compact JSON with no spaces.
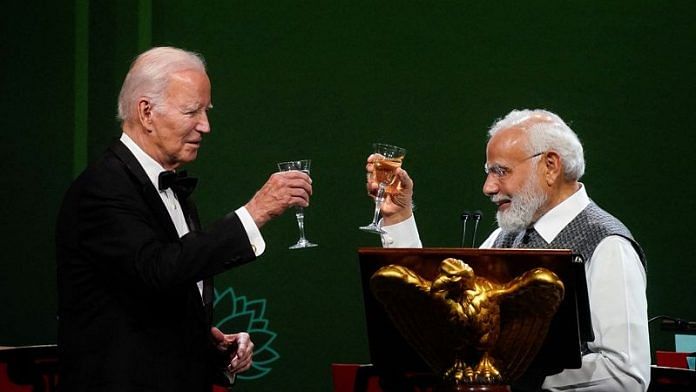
{"x":398,"y":204}
{"x":281,"y":191}
{"x":240,"y":359}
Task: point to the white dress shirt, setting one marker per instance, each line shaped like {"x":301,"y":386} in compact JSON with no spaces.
{"x":153,"y":169}
{"x":616,"y":283}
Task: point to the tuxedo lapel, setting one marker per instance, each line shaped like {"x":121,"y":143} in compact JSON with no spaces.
{"x":194,"y":224}
{"x":150,"y":194}
{"x":190,"y":213}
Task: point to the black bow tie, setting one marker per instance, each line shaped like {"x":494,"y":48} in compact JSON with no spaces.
{"x":180,"y":183}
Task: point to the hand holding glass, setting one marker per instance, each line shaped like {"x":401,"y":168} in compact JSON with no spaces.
{"x":303,"y":166}
{"x":389,"y":158}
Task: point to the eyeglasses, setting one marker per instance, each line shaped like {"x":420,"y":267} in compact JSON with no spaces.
{"x":500,"y":171}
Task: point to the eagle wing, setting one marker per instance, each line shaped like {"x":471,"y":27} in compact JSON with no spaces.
{"x":527,"y":306}
{"x":431,"y":324}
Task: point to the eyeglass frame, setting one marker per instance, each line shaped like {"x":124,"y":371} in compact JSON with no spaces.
{"x":500,"y":171}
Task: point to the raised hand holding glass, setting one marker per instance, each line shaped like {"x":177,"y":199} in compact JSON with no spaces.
{"x":303,"y":166}
{"x":388,"y":159}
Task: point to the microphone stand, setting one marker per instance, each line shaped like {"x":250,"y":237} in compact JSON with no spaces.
{"x":477,"y":217}
{"x":465,"y":218}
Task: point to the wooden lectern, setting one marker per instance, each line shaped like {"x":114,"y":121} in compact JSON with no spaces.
{"x":393,"y":358}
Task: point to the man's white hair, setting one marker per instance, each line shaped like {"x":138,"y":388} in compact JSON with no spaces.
{"x":547,"y":132}
{"x":149,"y":76}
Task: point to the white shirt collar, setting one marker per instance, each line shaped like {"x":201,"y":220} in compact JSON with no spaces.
{"x":152,"y":167}
{"x":551,"y":223}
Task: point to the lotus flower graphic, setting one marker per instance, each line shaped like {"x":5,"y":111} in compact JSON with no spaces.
{"x":237,"y":313}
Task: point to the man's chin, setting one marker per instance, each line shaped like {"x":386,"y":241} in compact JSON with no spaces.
{"x":508,"y":224}
{"x":187,"y":157}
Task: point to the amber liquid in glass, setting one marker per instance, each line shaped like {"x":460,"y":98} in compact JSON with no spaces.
{"x":385,"y":170}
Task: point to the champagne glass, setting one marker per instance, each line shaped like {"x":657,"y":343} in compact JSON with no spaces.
{"x":389,"y":159}
{"x":303,"y":166}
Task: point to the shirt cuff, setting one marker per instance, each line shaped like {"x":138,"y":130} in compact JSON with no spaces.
{"x":402,"y":235}
{"x":255,"y":238}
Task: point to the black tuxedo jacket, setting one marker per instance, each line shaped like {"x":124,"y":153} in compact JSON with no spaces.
{"x":131,"y":317}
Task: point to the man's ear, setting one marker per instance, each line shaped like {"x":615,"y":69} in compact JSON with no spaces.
{"x":145,"y":113}
{"x":553,"y":167}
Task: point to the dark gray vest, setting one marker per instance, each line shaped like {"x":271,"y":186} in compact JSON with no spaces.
{"x":582,"y":234}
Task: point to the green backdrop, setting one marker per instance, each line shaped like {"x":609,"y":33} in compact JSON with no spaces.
{"x":323,"y":80}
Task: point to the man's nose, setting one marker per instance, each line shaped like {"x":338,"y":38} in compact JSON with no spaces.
{"x":490,"y":186}
{"x":203,"y":125}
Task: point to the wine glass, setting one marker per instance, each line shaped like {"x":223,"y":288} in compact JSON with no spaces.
{"x":303,"y":166}
{"x":389,"y":159}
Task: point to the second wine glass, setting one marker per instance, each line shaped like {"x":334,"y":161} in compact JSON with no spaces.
{"x":389,"y":158}
{"x":302,"y":165}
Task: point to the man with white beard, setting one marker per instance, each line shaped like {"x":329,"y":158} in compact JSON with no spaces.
{"x":533,"y":165}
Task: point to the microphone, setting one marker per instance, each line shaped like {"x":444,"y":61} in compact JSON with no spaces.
{"x":669,"y":323}
{"x":465,"y":218}
{"x":477,"y":217}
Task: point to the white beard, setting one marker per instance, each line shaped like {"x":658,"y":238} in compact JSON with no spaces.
{"x":523,"y":206}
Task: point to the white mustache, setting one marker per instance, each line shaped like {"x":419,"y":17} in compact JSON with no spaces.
{"x":500,"y":198}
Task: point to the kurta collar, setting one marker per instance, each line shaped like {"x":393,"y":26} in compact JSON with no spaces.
{"x":551,"y":223}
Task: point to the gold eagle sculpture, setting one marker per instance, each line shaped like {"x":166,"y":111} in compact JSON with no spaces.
{"x":468,"y":329}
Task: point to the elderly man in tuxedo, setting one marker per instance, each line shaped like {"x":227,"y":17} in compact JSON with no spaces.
{"x":134,"y":267}
{"x":534,"y":162}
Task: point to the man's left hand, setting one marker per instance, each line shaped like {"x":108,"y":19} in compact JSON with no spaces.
{"x":240,"y":356}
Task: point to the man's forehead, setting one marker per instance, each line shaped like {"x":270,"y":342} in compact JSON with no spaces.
{"x":188,"y":79}
{"x":187,"y":85}
{"x":507,"y":144}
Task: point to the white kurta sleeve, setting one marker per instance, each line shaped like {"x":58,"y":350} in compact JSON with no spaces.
{"x":402,"y":235}
{"x":620,"y":355}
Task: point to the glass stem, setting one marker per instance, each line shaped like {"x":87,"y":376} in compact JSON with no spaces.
{"x":299,"y":214}
{"x":379,"y":200}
